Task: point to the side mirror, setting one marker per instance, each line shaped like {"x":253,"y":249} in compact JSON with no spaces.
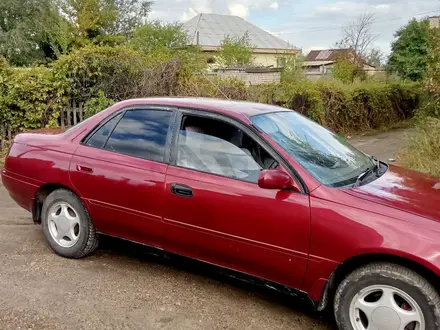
{"x":274,"y":179}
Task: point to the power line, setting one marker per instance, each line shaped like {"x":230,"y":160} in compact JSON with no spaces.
{"x":339,"y":27}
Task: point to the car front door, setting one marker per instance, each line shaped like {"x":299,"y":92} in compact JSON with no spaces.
{"x":120,"y":169}
{"x":222,"y":216}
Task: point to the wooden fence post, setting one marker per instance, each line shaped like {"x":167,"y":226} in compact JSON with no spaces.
{"x":68,"y":113}
{"x":74,"y":113}
{"x":62,"y":117}
{"x":81,"y":113}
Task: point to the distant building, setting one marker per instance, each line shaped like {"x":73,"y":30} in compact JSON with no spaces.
{"x":434,"y":22}
{"x":319,"y":63}
{"x":209,"y":30}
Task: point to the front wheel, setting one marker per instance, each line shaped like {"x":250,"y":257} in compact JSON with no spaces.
{"x":385,"y":296}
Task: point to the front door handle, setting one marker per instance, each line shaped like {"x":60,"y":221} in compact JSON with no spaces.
{"x":83,"y":168}
{"x":181,"y":190}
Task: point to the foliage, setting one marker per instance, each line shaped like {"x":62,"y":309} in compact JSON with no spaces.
{"x":433,"y":85}
{"x":374,"y":57}
{"x":422,"y":153}
{"x":26,"y":28}
{"x":89,"y":18}
{"x":119,"y":72}
{"x":344,"y":108}
{"x":409,"y":52}
{"x":131,"y":13}
{"x":293,"y":69}
{"x":30,"y":98}
{"x":344,"y":70}
{"x":97,"y":104}
{"x":203,"y":86}
{"x":236,"y":51}
{"x":423,"y":150}
{"x":157,"y":37}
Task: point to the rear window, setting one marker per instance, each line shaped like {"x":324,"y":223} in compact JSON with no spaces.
{"x":141,"y":133}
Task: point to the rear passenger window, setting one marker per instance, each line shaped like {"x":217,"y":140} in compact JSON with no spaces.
{"x":98,"y":139}
{"x":141,"y":133}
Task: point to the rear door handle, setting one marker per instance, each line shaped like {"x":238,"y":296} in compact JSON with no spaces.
{"x":181,"y":190}
{"x":83,"y":168}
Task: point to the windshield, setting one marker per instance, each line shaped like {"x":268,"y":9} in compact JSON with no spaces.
{"x":326,"y":156}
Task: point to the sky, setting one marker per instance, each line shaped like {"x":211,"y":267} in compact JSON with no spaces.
{"x":306,"y":24}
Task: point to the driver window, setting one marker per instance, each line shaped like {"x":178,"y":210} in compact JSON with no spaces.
{"x":219,"y":148}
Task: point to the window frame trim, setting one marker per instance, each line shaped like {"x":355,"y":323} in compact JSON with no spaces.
{"x":146,"y":107}
{"x":251,"y":131}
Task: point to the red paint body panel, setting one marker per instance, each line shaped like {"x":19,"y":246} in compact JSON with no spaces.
{"x":125,"y":198}
{"x":240,"y":225}
{"x":296,"y":239}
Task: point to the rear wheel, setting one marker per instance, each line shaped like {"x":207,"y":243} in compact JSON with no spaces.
{"x":385,"y":296}
{"x":67,"y":225}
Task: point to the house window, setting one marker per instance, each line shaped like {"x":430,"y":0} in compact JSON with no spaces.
{"x":281,"y":62}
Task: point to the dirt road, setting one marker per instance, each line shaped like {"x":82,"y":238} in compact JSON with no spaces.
{"x":120,"y":287}
{"x":383,"y":145}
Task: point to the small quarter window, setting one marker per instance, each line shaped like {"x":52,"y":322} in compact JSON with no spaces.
{"x":98,"y":139}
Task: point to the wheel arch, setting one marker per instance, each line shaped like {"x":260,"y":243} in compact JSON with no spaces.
{"x":41,"y":195}
{"x":349,"y":265}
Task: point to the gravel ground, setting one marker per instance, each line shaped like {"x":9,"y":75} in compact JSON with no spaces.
{"x":122,"y":287}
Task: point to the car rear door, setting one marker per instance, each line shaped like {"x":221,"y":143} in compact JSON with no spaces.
{"x":233,"y":222}
{"x":119,"y":170}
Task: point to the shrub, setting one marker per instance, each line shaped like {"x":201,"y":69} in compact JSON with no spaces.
{"x":30,"y":97}
{"x":204,"y":86}
{"x":113,"y":70}
{"x":422,"y":153}
{"x":345,"y":108}
{"x":97,"y":104}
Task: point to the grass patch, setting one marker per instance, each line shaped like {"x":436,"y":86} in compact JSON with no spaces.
{"x":423,"y":151}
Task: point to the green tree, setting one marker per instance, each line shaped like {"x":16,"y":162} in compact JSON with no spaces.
{"x":90,"y":18}
{"x":236,"y":51}
{"x":27,"y":30}
{"x":158,"y":37}
{"x":293,"y":68}
{"x":344,"y":70}
{"x":409,"y":52}
{"x":131,"y":13}
{"x":374,"y":57}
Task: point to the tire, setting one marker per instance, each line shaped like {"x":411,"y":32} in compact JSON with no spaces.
{"x":67,"y":225}
{"x":375,"y":288}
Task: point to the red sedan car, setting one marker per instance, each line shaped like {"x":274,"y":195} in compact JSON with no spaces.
{"x":256,"y":189}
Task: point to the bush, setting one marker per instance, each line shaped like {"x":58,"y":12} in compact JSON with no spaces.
{"x":30,"y":97}
{"x":97,"y":104}
{"x":204,"y":86}
{"x":422,"y":153}
{"x":345,"y":108}
{"x":100,"y":76}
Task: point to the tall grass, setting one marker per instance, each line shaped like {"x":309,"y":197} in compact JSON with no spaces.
{"x":423,"y":151}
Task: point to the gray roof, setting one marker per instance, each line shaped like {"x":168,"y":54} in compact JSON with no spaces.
{"x":213,"y":28}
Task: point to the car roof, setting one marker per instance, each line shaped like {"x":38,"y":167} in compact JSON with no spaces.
{"x":232,"y":108}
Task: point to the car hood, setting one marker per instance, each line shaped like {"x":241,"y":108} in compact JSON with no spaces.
{"x":406,"y":190}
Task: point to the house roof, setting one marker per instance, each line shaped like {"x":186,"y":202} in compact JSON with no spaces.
{"x":328,"y":54}
{"x":213,"y":28}
{"x":316,"y":63}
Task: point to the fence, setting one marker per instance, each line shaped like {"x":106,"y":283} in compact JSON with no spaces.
{"x":71,"y":115}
